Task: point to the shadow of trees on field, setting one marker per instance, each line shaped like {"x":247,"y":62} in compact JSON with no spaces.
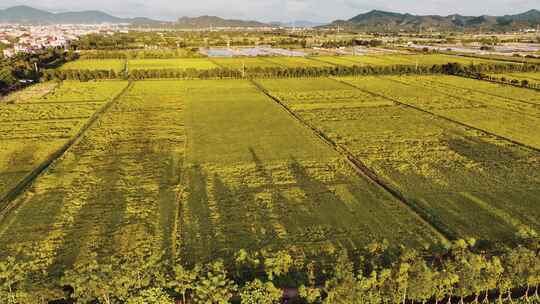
{"x":504,"y":177}
{"x":198,"y":231}
{"x":224,"y":219}
{"x":97,"y":220}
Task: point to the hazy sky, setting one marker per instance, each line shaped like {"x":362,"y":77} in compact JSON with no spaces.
{"x":280,"y":10}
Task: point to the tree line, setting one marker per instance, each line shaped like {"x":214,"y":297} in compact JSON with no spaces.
{"x":283,"y":72}
{"x":482,"y":73}
{"x":463,"y":271}
{"x":516,"y":82}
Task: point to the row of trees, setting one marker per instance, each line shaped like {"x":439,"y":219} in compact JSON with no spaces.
{"x":81,"y":75}
{"x":509,"y":81}
{"x":498,"y":73}
{"x":281,"y":72}
{"x":495,"y":68}
{"x":459,"y":272}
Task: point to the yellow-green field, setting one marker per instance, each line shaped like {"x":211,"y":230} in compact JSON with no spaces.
{"x":532,"y":78}
{"x":34,"y":128}
{"x":446,"y":170}
{"x":119,"y":65}
{"x":158,"y":64}
{"x":248,"y":62}
{"x":297,"y":62}
{"x":509,"y":112}
{"x":113,"y":191}
{"x":200,"y":169}
{"x":421,"y":60}
{"x":116,"y":65}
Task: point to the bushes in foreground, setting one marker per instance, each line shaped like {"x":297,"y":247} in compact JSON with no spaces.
{"x":463,"y":271}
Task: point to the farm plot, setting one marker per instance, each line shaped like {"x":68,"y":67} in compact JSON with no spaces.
{"x":514,"y":117}
{"x":255,"y":178}
{"x":532,"y":78}
{"x":248,"y":62}
{"x":31,"y":130}
{"x":115,"y":192}
{"x":75,"y":91}
{"x":297,"y":62}
{"x":30,"y":93}
{"x":116,"y":65}
{"x":423,"y":60}
{"x":348,"y":61}
{"x":465,"y":182}
{"x":509,"y":93}
{"x":181,"y":64}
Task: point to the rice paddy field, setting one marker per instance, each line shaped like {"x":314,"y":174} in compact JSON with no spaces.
{"x":257,"y":179}
{"x":116,"y":65}
{"x":200,"y":169}
{"x":508,"y":112}
{"x":448,"y":172}
{"x":533,"y":78}
{"x":182,"y":63}
{"x":114,"y":190}
{"x":248,"y":62}
{"x":30,"y":93}
{"x":119,"y":65}
{"x":297,"y":62}
{"x":34,"y":128}
{"x":387,"y":60}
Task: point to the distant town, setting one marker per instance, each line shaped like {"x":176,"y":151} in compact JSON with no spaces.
{"x":16,"y":38}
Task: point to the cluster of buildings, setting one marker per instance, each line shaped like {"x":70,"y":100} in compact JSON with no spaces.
{"x":20,"y":38}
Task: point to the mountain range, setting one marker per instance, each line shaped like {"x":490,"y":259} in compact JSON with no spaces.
{"x":374,"y":20}
{"x":213,"y":21}
{"x":29,"y":15}
{"x":377,"y":20}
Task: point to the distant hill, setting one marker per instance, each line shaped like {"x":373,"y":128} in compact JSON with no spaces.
{"x":213,"y":21}
{"x":28,"y":15}
{"x":377,"y":20}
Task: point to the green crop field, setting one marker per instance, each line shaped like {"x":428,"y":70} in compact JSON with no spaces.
{"x":34,"y":128}
{"x":201,"y":169}
{"x":530,"y":77}
{"x":293,"y":180}
{"x":256,"y":179}
{"x":183,"y":63}
{"x":445,"y":170}
{"x":116,"y":65}
{"x":476,"y":104}
{"x":248,"y":62}
{"x":297,"y":62}
{"x":339,"y":60}
{"x":113,"y":191}
{"x":30,"y":93}
{"x":386,"y":60}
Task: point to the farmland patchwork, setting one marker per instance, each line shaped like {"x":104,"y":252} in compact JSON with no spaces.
{"x":199,"y":169}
